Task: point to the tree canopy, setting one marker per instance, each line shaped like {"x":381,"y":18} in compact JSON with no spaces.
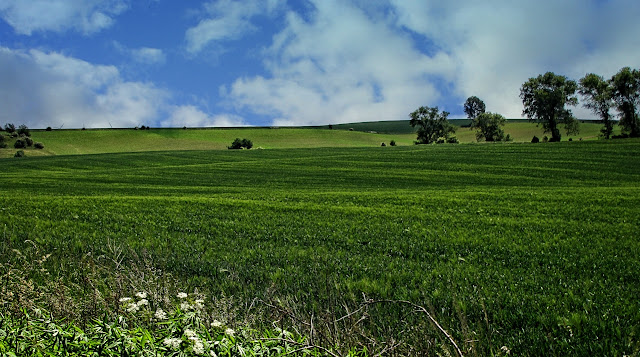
{"x":545,"y":98}
{"x":432,"y":125}
{"x":625,"y":87}
{"x":473,"y":107}
{"x":489,"y":126}
{"x":598,"y":95}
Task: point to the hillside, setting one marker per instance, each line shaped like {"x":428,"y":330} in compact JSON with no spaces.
{"x":367,"y":134}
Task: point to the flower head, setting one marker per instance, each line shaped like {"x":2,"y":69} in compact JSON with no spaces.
{"x":125,"y":299}
{"x":172,"y":342}
{"x":216,"y":324}
{"x":229,"y":332}
{"x":182,"y":295}
{"x":141,"y":295}
{"x":160,"y":314}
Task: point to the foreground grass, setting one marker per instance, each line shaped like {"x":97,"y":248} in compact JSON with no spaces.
{"x":520,"y":247}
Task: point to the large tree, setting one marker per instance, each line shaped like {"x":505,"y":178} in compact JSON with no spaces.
{"x":545,"y":98}
{"x":598,"y":95}
{"x":626,"y":94}
{"x":489,"y":126}
{"x":473,"y":107}
{"x":432,"y":125}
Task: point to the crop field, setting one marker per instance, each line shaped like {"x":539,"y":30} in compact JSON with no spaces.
{"x":527,"y":249}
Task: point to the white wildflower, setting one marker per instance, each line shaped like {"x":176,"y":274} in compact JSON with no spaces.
{"x":173,"y":342}
{"x":189,"y":333}
{"x":213,"y":354}
{"x":229,"y":332}
{"x":185,"y":306}
{"x":216,"y":324}
{"x":141,"y":295}
{"x":143,"y":302}
{"x":133,"y":308}
{"x":160,"y":314}
{"x":182,"y":295}
{"x":198,"y":347}
{"x":125,"y":299}
{"x":199,"y":304}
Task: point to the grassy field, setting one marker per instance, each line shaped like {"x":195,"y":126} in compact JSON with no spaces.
{"x":531,"y":248}
{"x":73,"y":142}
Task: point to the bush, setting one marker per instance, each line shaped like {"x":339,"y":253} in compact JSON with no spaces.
{"x":452,"y":140}
{"x":48,"y":128}
{"x":247,"y":144}
{"x":29,"y":141}
{"x":38,"y":145}
{"x":9,"y":128}
{"x":383,"y":144}
{"x":23,"y":130}
{"x":508,"y":138}
{"x":535,"y":139}
{"x":240,"y":144}
{"x":20,"y":144}
{"x":19,"y":153}
{"x":545,"y":139}
{"x":392,"y":143}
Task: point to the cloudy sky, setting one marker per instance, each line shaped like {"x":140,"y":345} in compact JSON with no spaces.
{"x":171,"y":63}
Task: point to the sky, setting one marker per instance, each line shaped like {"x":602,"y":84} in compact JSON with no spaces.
{"x":173,"y":63}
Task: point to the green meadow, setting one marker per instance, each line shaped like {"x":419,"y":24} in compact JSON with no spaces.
{"x":513,"y":248}
{"x":367,"y":134}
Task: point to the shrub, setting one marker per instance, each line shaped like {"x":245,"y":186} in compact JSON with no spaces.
{"x":240,"y":144}
{"x":23,"y":130}
{"x":392,"y":143}
{"x":535,"y":139}
{"x":29,"y":141}
{"x":247,"y":144}
{"x":19,"y":153}
{"x":508,"y":138}
{"x":570,"y":139}
{"x":48,"y":128}
{"x":38,"y":145}
{"x":545,"y":139}
{"x":383,"y":144}
{"x":184,"y":128}
{"x":20,"y":144}
{"x":452,"y":140}
{"x":9,"y":128}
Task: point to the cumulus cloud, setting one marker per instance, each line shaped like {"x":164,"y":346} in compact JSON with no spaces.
{"x":343,"y":62}
{"x":341,"y":66}
{"x":226,"y":20}
{"x":50,"y":89}
{"x":191,"y":116}
{"x":86,"y":16}
{"x":498,"y":45}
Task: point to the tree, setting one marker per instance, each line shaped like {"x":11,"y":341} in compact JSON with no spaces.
{"x":489,"y":126}
{"x":474,"y":106}
{"x":544,"y":99}
{"x":432,"y":125}
{"x":9,"y":128}
{"x":241,"y":144}
{"x":23,"y":130}
{"x":625,"y":86}
{"x":599,"y":98}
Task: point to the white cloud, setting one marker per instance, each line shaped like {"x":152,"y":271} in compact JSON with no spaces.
{"x":498,"y":45}
{"x":86,"y":16}
{"x":341,"y":66}
{"x":191,"y":116}
{"x":226,"y":20}
{"x":50,"y":89}
{"x":346,"y":62}
{"x":142,"y":55}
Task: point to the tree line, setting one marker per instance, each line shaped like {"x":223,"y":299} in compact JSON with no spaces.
{"x":545,"y":99}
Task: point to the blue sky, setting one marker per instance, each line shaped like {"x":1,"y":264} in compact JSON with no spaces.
{"x":169,"y":63}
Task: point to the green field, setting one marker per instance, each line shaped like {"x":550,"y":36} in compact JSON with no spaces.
{"x":369,"y":134}
{"x":530,"y":247}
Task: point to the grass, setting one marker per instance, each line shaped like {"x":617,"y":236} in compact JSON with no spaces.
{"x":74,"y":142}
{"x":530,"y":247}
